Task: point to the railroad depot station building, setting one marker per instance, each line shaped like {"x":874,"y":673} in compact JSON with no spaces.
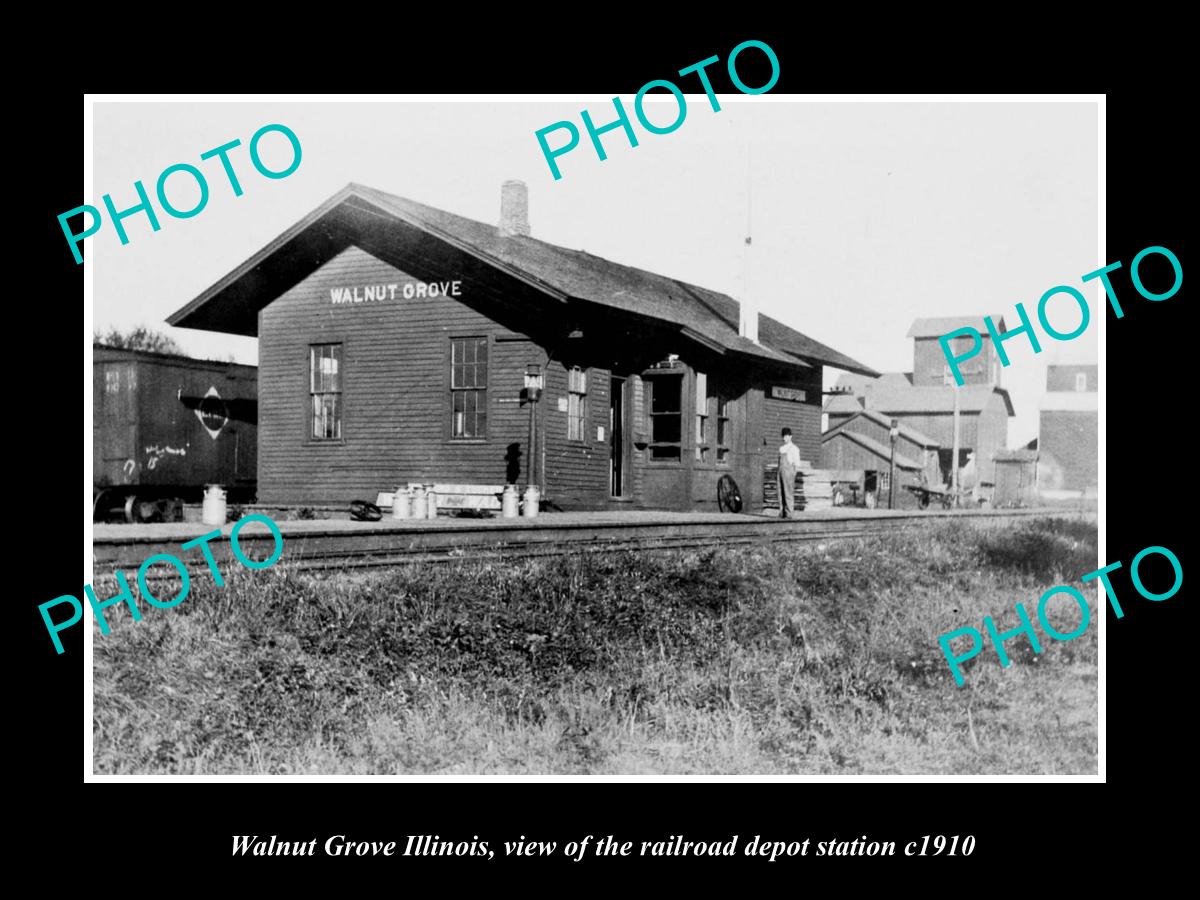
{"x":399,"y":343}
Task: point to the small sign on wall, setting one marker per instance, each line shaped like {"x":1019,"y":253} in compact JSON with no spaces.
{"x":599,"y":432}
{"x":562,"y":404}
{"x":785,"y":393}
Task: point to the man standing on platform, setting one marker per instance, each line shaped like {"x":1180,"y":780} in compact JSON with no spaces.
{"x":789,"y":461}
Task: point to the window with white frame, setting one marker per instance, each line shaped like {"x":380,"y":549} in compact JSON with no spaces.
{"x":325,"y":390}
{"x":468,"y":387}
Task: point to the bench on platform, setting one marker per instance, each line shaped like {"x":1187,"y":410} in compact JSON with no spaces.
{"x":454,"y":496}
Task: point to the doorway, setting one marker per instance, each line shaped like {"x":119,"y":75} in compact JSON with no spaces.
{"x":616,"y":431}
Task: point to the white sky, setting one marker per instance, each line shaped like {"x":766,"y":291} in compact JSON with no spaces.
{"x":865,"y":216}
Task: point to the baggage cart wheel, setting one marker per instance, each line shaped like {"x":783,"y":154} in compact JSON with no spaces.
{"x":729,"y":498}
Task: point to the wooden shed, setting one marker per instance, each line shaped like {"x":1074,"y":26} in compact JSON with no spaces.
{"x":863,"y":443}
{"x":1016,"y":478}
{"x":400,"y":343}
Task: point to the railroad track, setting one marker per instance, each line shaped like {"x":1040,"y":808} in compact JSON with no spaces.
{"x":346,"y":545}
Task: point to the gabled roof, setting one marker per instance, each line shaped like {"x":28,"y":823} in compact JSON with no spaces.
{"x":936,"y":327}
{"x":855,"y":381}
{"x":922,"y":440}
{"x":892,"y":396}
{"x":707,"y":316}
{"x":916,"y":437}
{"x":879,"y":449}
{"x":841,"y":404}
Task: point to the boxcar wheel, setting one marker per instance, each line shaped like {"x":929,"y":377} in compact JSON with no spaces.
{"x":729,"y":498}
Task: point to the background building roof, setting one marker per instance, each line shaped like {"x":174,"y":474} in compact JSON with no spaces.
{"x":881,"y":450}
{"x":936,"y":327}
{"x":908,"y":431}
{"x":843,"y":403}
{"x":890,"y":396}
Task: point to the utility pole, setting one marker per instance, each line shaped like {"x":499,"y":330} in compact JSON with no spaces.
{"x":946,"y":379}
{"x":895,"y":433}
{"x":954,"y":452}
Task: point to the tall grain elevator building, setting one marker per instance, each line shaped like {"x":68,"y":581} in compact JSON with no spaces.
{"x":399,"y":343}
{"x":924,"y":398}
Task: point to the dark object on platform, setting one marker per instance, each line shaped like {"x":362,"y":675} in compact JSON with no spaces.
{"x":362,"y":511}
{"x":729,"y":498}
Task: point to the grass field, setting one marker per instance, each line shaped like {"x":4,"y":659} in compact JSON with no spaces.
{"x":780,"y":659}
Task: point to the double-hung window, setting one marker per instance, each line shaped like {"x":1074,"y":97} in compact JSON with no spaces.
{"x":666,"y":415}
{"x":576,"y":403}
{"x":468,"y":387}
{"x":325,"y":390}
{"x":723,"y":428}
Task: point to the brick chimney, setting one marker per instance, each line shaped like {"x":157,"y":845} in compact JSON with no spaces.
{"x":514,"y":208}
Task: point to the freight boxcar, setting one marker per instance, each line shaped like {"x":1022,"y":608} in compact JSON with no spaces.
{"x":164,"y":427}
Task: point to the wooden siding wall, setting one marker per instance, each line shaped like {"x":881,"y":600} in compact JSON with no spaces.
{"x":396,"y":374}
{"x":576,"y":471}
{"x":840,"y":452}
{"x":929,"y":364}
{"x":803,"y":418}
{"x":1068,"y":441}
{"x":905,"y":447}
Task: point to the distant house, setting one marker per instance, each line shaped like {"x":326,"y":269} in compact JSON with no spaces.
{"x":1068,"y":428}
{"x":923,"y":399}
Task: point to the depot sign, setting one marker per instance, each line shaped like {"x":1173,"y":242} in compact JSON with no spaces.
{"x":372,"y":292}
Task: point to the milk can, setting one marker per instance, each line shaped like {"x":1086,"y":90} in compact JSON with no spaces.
{"x":401,"y":504}
{"x":416,"y":501}
{"x":431,"y":505}
{"x":510,"y":502}
{"x":532,"y":498}
{"x":213,"y":510}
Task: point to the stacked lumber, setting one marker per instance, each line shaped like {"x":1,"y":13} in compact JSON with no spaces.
{"x":814,"y":488}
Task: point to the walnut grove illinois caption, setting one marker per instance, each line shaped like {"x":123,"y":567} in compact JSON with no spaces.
{"x":433,"y":845}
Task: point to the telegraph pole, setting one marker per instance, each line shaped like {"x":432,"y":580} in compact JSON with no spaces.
{"x":894,"y":432}
{"x":946,"y":379}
